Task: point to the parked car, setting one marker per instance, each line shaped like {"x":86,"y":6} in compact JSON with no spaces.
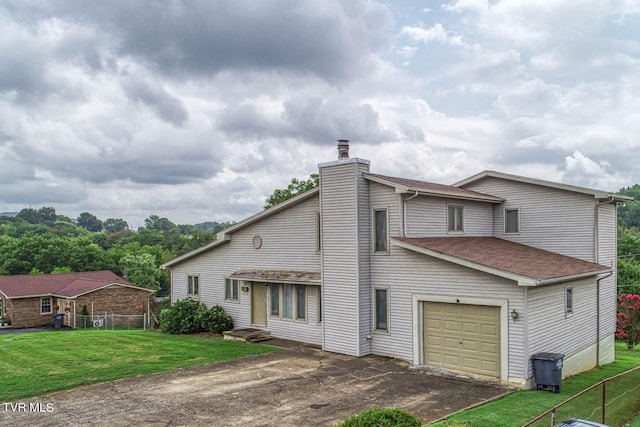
{"x":574,"y":422}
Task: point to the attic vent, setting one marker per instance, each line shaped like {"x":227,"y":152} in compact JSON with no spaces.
{"x":343,"y":149}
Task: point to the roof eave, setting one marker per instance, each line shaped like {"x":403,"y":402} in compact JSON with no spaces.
{"x":403,"y":189}
{"x":463,"y":262}
{"x":522,"y":280}
{"x":598,"y":194}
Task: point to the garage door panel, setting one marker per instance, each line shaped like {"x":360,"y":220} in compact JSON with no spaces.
{"x":462,"y":337}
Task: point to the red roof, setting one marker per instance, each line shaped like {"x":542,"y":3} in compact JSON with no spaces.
{"x":64,"y":285}
{"x":508,"y":256}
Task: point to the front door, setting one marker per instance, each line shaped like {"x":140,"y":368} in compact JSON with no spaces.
{"x":259,"y":304}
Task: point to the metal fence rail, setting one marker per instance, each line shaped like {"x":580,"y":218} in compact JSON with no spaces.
{"x":112,"y":321}
{"x":613,"y":401}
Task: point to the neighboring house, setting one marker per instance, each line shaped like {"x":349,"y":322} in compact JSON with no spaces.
{"x":476,"y":277}
{"x":33,"y":300}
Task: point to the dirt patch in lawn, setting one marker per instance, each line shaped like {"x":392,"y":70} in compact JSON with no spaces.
{"x":294,"y":387}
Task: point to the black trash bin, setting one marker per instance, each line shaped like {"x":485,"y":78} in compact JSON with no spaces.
{"x":548,"y":371}
{"x":58,"y":321}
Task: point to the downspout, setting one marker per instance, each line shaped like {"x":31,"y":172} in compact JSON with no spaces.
{"x":598,"y":317}
{"x":404,"y":213}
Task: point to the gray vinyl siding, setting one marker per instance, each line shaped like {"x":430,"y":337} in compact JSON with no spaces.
{"x":427,"y":217}
{"x":407,"y":273}
{"x":552,"y":219}
{"x":290,"y":228}
{"x":607,"y":255}
{"x":342,"y":267}
{"x":551,"y":330}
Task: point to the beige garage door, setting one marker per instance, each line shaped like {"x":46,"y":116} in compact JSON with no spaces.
{"x":462,"y":337}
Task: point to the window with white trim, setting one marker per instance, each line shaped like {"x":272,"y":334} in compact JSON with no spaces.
{"x":455,"y":222}
{"x":231,"y":289}
{"x":381,"y":309}
{"x":45,"y":305}
{"x":288,"y":301}
{"x":511,"y":221}
{"x":193,"y":285}
{"x":380,"y":231}
{"x":568,"y":301}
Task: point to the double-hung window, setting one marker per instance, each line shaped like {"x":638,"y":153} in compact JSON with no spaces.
{"x":455,"y":223}
{"x":45,"y":305}
{"x":568,"y":302}
{"x":193,"y":285}
{"x":288,"y":301}
{"x":381,"y":309}
{"x":231,"y":289}
{"x":380,"y":231}
{"x":511,"y":221}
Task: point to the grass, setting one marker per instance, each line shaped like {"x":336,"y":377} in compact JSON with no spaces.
{"x":34,"y":364}
{"x":521,"y":406}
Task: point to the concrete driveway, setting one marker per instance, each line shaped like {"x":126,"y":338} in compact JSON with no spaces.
{"x":299,"y":386}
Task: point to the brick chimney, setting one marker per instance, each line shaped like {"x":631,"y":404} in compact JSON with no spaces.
{"x":343,"y":149}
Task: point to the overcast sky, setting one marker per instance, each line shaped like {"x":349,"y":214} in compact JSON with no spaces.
{"x":198,"y":110}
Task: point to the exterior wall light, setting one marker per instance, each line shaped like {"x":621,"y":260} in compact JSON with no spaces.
{"x":514,"y":315}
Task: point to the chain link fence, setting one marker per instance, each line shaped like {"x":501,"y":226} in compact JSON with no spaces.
{"x":613,"y":401}
{"x":112,"y":321}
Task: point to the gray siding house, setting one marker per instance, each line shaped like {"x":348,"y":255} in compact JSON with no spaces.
{"x":475,"y":277}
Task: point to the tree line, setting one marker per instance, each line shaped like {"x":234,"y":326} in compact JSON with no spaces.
{"x":39,"y":241}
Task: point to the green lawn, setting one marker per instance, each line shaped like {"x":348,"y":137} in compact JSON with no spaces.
{"x":521,"y":406}
{"x":34,"y":364}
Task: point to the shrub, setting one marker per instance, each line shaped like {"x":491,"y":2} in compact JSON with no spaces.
{"x":183,"y":317}
{"x":628,"y":319}
{"x":382,"y":417}
{"x":215,"y":320}
{"x":189,"y":317}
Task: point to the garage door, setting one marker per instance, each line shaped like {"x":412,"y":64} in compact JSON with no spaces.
{"x":462,"y":337}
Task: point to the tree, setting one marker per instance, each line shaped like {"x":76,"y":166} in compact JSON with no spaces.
{"x":90,"y":222}
{"x":154,"y":222}
{"x":295,"y":187}
{"x":628,"y":319}
{"x":628,"y":276}
{"x":115,"y":225}
{"x":141,"y":270}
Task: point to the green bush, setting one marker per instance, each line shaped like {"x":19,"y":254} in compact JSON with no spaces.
{"x":189,"y":317}
{"x":216,"y":320}
{"x":382,"y":417}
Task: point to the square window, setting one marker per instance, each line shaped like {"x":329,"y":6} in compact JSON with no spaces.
{"x":511,"y":221}
{"x":380,"y":233}
{"x":455,"y":219}
{"x":193,"y":285}
{"x":45,"y":305}
{"x":288,"y":301}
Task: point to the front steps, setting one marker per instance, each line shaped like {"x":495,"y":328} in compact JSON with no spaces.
{"x":247,"y":335}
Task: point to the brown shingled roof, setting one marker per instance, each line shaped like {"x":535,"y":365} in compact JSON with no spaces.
{"x":431,"y":187}
{"x":508,"y":256}
{"x":278,"y":276}
{"x":65,"y":285}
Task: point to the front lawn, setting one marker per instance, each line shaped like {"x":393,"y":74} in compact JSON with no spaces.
{"x":34,"y":364}
{"x":521,"y":406}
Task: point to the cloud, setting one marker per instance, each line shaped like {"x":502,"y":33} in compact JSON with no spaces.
{"x":165,"y":105}
{"x":435,"y":33}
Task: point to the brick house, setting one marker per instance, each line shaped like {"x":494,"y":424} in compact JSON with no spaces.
{"x":33,"y":300}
